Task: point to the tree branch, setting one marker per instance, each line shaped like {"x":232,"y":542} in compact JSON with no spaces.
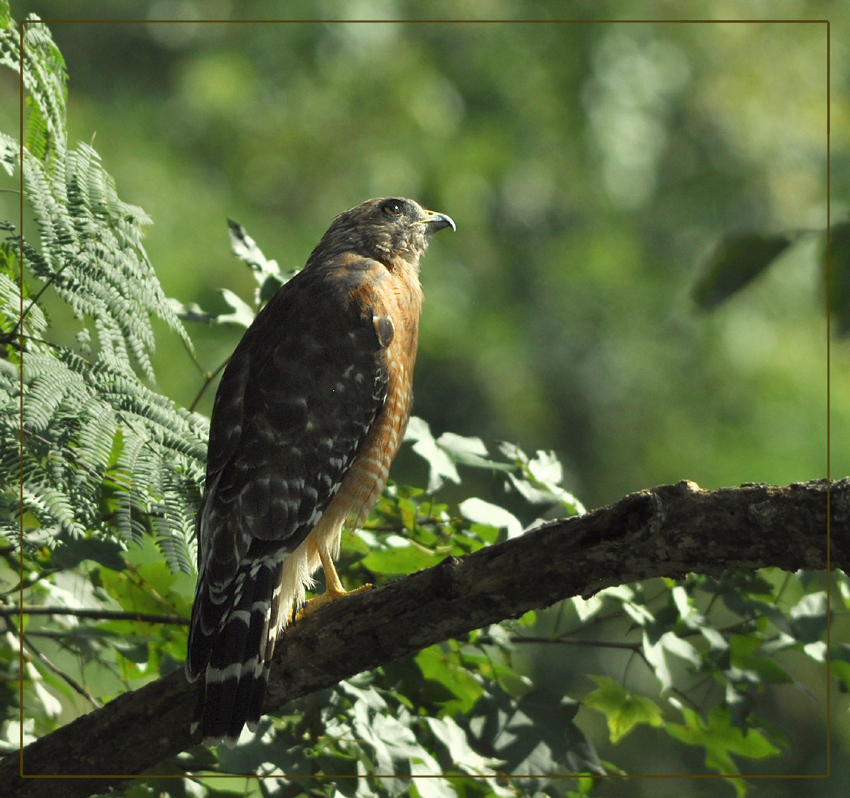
{"x":669,"y":531}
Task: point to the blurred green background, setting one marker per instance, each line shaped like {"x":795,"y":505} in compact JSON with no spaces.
{"x":590,"y":168}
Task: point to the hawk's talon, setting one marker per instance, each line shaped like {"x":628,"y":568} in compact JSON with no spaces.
{"x":298,"y":611}
{"x":328,"y":597}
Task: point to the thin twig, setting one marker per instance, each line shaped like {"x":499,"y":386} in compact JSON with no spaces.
{"x":71,"y":682}
{"x":574,"y":641}
{"x":10,"y":611}
{"x":207,"y":382}
{"x":193,"y":356}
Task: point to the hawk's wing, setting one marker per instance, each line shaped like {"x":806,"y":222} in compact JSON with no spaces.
{"x":295,"y":403}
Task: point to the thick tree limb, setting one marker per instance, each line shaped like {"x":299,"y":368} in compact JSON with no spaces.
{"x":666,"y":531}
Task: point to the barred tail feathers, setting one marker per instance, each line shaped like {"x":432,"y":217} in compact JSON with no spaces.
{"x":234,"y":632}
{"x":231,"y":642}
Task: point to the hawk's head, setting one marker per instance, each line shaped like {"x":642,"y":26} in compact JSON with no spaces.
{"x":383,"y":229}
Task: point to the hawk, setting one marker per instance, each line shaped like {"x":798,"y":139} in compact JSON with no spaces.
{"x":309,"y":414}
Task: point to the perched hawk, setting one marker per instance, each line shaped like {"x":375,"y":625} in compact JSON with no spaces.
{"x":309,"y":414}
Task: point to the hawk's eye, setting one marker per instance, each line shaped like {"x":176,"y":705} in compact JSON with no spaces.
{"x":392,"y":208}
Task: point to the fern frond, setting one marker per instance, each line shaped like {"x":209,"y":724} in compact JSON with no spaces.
{"x":51,"y":506}
{"x":8,"y":152}
{"x":101,"y":452}
{"x":5,"y":16}
{"x":174,"y":526}
{"x":98,"y":427}
{"x":92,"y":254}
{"x":130,"y":507}
{"x":97,"y":450}
{"x":89,"y":237}
{"x":44,"y":78}
{"x":49,"y":387}
{"x":16,"y":311}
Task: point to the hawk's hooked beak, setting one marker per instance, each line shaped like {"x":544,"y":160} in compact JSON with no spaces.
{"x":437,"y":221}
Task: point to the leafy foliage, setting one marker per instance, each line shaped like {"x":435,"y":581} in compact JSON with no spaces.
{"x":111,"y":473}
{"x":99,"y":451}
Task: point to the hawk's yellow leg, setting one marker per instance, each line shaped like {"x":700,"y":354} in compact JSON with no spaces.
{"x":334,"y":589}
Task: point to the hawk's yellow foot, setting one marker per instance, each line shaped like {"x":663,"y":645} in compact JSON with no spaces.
{"x":333,"y":589}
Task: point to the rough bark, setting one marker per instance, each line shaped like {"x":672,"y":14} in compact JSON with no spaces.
{"x":670,"y":531}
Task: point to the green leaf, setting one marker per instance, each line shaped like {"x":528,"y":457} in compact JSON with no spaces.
{"x":546,"y":468}
{"x":444,"y":453}
{"x":622,"y":709}
{"x":266,"y":272}
{"x":143,"y":591}
{"x":425,"y":445}
{"x":482,"y":512}
{"x":809,"y":617}
{"x":445,"y":669}
{"x":535,"y":735}
{"x":70,"y":553}
{"x":540,"y":478}
{"x":736,"y":261}
{"x":743,"y":656}
{"x":462,"y":754}
{"x":133,"y":648}
{"x":243,"y":314}
{"x":191,"y":312}
{"x":246,"y":249}
{"x":468,"y":451}
{"x":401,"y":561}
{"x":720,"y":739}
